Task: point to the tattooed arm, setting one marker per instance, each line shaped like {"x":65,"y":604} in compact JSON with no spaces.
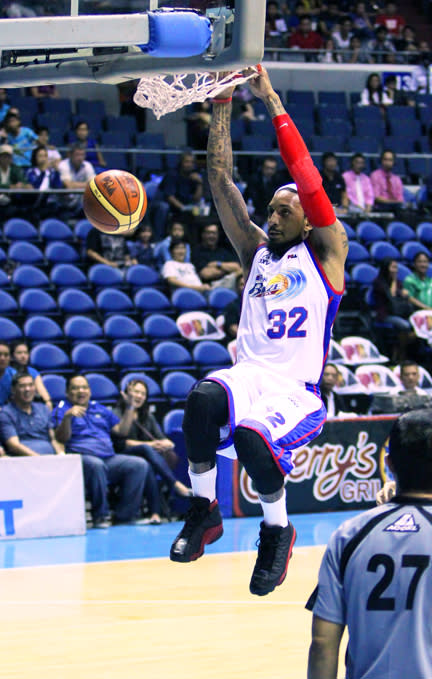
{"x":243,"y":234}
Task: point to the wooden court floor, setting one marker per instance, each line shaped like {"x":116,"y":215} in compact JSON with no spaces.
{"x":154,"y":618}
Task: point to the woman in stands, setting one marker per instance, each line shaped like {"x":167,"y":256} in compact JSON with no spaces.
{"x":374,"y":93}
{"x":43,"y":176}
{"x":146,"y":439}
{"x":20,"y":361}
{"x":93,"y":154}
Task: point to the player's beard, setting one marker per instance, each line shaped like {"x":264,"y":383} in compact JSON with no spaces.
{"x":279,"y":249}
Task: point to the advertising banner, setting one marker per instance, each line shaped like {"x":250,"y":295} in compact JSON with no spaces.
{"x":343,"y":468}
{"x":41,"y":496}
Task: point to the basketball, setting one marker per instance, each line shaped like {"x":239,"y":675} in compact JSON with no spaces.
{"x":115,"y":202}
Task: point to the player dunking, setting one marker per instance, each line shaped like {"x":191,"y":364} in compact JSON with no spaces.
{"x":268,"y":404}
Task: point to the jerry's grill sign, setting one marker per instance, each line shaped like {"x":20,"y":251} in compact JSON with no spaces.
{"x":343,"y":468}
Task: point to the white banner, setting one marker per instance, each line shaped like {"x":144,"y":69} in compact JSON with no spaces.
{"x":41,"y":496}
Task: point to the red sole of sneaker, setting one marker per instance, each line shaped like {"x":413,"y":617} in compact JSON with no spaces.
{"x":210,"y":536}
{"x":289,"y":557}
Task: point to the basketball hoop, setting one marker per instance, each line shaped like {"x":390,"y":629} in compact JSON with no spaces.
{"x":165,"y":93}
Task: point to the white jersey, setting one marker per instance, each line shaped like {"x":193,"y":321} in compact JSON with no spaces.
{"x":288,"y":311}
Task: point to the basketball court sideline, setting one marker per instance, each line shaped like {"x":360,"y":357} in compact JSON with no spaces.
{"x":110,"y":605}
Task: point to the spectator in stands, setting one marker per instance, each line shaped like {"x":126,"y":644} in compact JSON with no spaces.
{"x":93,"y":153}
{"x":381,"y":46}
{"x":141,"y":249}
{"x":54,"y":156}
{"x":85,"y":428}
{"x":181,"y":274}
{"x":102,"y":248}
{"x":361,"y":22}
{"x":4,"y":104}
{"x":330,"y":398}
{"x":410,"y":378}
{"x":343,"y":34}
{"x":328,"y":54}
{"x":387,"y":186}
{"x":418,"y":284}
{"x":357,"y":53}
{"x":242,"y":104}
{"x":420,"y":74}
{"x":397,"y":97}
{"x":261,"y":187}
{"x":358,"y":186}
{"x":6,"y":372}
{"x":24,"y":423}
{"x":198,"y":125}
{"x":373,"y":94}
{"x":328,"y":18}
{"x":333,"y":182}
{"x":44,"y":92}
{"x":176,"y":229}
{"x":17,"y":10}
{"x":180,"y":192}
{"x":11,"y":177}
{"x":146,"y":439}
{"x":214,"y":263}
{"x":390,"y":18}
{"x":232,"y":310}
{"x":20,"y":361}
{"x":44,"y":177}
{"x":407,"y":43}
{"x":305,"y":38}
{"x":22,"y":139}
{"x":392,"y":305}
{"x":276,"y":27}
{"x":75,"y":172}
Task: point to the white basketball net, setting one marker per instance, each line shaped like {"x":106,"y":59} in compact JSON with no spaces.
{"x":169,"y":92}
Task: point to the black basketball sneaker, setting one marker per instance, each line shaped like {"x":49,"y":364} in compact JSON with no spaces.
{"x":274,"y":552}
{"x":203,"y":525}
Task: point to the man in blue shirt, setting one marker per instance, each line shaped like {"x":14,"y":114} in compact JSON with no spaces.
{"x":376,"y":574}
{"x":6,"y":373}
{"x":85,"y":428}
{"x":22,"y":139}
{"x":25,"y":425}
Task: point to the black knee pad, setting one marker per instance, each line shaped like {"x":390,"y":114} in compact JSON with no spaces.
{"x":206,"y":411}
{"x":258,"y":461}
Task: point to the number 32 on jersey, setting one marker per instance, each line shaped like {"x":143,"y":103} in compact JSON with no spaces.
{"x":289,"y":324}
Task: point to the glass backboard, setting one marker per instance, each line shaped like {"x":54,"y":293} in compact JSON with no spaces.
{"x":106,"y":41}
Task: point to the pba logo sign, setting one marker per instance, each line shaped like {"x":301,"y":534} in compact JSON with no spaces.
{"x":283,"y":285}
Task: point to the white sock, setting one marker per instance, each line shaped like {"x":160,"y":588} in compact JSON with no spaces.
{"x":204,"y":485}
{"x":275,"y":513}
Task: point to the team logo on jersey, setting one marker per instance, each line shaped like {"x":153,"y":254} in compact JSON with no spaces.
{"x":404,"y":524}
{"x":282,"y":285}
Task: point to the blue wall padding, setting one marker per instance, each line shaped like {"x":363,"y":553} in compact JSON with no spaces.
{"x":177,"y":34}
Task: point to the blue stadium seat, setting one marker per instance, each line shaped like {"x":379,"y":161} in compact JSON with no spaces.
{"x":399,"y":144}
{"x":424,"y":233}
{"x":122,"y":124}
{"x":60,"y":106}
{"x":116,"y":139}
{"x":403,"y":271}
{"x":48,"y":358}
{"x":4,"y":280}
{"x":42,"y":329}
{"x":336,"y":127}
{"x":399,"y":232}
{"x":168,"y":355}
{"x":209,"y":356}
{"x":149,"y":300}
{"x":321,"y":144}
{"x":369,"y":232}
{"x":400,"y":115}
{"x":82,"y":227}
{"x":357,"y":253}
{"x":382,"y":249}
{"x":8,"y":305}
{"x":349,"y":230}
{"x":118,"y":160}
{"x":160,"y":327}
{"x":141,"y":276}
{"x":331,"y":98}
{"x":154,"y":390}
{"x":17,"y":229}
{"x":55,"y":386}
{"x":130,"y":356}
{"x":237,"y":131}
{"x":173,"y":421}
{"x":364,"y":126}
{"x":219,"y":298}
{"x":104,"y":276}
{"x":25,"y":253}
{"x":68,"y":276}
{"x":29,"y":276}
{"x":364,"y":274}
{"x":418,"y":168}
{"x":262,"y":127}
{"x":257,"y":143}
{"x":9,"y":331}
{"x":36,"y":301}
{"x":89,"y":356}
{"x":55,"y":230}
{"x":110,"y":301}
{"x":305,"y":97}
{"x":119,"y":328}
{"x":411,"y":248}
{"x":358,"y":144}
{"x":177,"y":385}
{"x":102,"y":388}
{"x":81,"y":328}
{"x":72,"y":301}
{"x":90,"y":108}
{"x":186,"y":299}
{"x":58,"y":252}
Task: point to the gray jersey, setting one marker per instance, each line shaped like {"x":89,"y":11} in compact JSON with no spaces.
{"x":376,"y":578}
